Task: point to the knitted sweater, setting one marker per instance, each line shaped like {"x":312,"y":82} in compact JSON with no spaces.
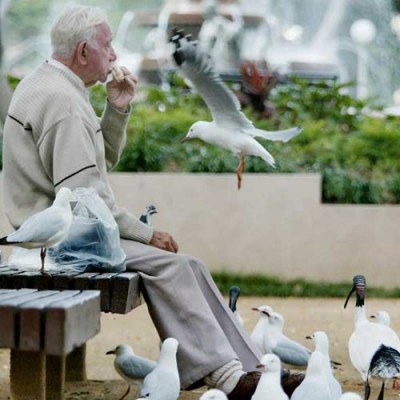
{"x":53,"y":138}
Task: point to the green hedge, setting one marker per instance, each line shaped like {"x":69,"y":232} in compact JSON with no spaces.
{"x":358,"y":155}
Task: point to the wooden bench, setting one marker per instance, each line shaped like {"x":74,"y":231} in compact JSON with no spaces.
{"x":119,"y":293}
{"x":41,"y":328}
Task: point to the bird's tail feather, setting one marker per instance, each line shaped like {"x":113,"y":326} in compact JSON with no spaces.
{"x":3,"y":241}
{"x":267,"y":157}
{"x":284,"y":135}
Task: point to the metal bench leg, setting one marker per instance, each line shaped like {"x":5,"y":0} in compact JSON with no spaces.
{"x":27,"y":375}
{"x":76,"y":365}
{"x":55,"y":377}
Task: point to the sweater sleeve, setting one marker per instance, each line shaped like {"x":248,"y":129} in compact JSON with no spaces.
{"x":68,"y":154}
{"x":113,"y":127}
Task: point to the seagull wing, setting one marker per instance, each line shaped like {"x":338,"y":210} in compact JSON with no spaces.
{"x":291,"y":352}
{"x":135,"y":367}
{"x":223,"y":104}
{"x":40,"y":227}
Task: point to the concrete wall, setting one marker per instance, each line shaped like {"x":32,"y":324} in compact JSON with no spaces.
{"x":275,"y":225}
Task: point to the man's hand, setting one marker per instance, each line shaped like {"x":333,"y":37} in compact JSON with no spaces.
{"x":121,"y":89}
{"x":164,"y":241}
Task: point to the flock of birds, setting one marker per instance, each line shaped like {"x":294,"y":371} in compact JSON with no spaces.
{"x":374,"y":350}
{"x":374,"y":347}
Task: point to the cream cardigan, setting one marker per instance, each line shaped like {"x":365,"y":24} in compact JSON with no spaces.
{"x":53,"y":138}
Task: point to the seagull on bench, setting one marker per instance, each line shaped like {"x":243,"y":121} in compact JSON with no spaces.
{"x":45,"y":228}
{"x":230,"y":128}
{"x":147,"y":213}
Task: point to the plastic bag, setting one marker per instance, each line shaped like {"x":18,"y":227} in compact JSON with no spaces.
{"x":92,"y":244}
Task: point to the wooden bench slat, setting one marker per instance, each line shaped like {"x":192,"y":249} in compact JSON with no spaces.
{"x":32,"y":320}
{"x":120,"y":292}
{"x":102,"y":282}
{"x":125,"y":292}
{"x":9,"y":332}
{"x":71,"y":322}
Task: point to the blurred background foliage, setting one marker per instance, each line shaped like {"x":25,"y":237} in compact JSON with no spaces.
{"x":350,"y":142}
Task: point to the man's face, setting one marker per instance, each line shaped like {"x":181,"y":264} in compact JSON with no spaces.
{"x":100,"y":55}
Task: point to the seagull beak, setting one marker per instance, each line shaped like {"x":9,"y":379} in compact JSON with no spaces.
{"x":266,"y":313}
{"x":185,"y":139}
{"x":110,"y":352}
{"x":260,"y":366}
{"x":372,"y":316}
{"x":308,"y":337}
{"x":254,"y":308}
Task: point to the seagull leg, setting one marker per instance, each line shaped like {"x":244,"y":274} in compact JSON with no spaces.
{"x":126,"y":393}
{"x":382,"y":391}
{"x":239,"y":171}
{"x":42,"y":257}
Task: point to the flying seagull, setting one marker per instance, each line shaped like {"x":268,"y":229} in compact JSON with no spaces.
{"x":130,"y":366}
{"x":45,"y":228}
{"x":230,"y":128}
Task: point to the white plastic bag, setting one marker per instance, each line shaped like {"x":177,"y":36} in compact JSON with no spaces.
{"x":92,"y":244}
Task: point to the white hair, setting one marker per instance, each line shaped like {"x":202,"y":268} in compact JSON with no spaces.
{"x":76,"y":24}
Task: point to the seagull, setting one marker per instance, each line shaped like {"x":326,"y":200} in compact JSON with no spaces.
{"x":45,"y":228}
{"x":274,"y":341}
{"x":148,"y":212}
{"x":257,"y":336}
{"x":213,"y":394}
{"x":234,"y":293}
{"x":321,"y":342}
{"x":230,"y":128}
{"x":269,"y":386}
{"x":350,"y":396}
{"x":163,"y":382}
{"x":315,"y":385}
{"x":130,"y":366}
{"x":373,"y":348}
{"x":382,"y":317}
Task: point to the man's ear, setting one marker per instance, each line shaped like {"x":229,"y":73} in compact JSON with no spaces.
{"x":81,"y":52}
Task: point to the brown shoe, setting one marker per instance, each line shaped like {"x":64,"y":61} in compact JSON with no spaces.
{"x":291,"y":381}
{"x":246,"y":386}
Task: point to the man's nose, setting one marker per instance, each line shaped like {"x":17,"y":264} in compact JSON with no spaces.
{"x":113,"y":55}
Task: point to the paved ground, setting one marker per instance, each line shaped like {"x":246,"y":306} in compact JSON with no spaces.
{"x":303,"y":317}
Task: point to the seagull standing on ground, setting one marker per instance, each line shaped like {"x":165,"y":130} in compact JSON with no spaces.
{"x":45,"y":228}
{"x":213,"y":394}
{"x":163,"y":382}
{"x":269,"y":387}
{"x":315,"y":385}
{"x":234,"y":293}
{"x":374,"y":349}
{"x":130,"y":366}
{"x":257,"y":336}
{"x":382,"y":317}
{"x":276,"y":342}
{"x":230,"y":128}
{"x":321,"y":342}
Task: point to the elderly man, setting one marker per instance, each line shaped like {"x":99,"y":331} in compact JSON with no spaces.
{"x":53,"y":138}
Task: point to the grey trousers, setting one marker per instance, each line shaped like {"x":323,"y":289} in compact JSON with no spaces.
{"x":184,"y":303}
